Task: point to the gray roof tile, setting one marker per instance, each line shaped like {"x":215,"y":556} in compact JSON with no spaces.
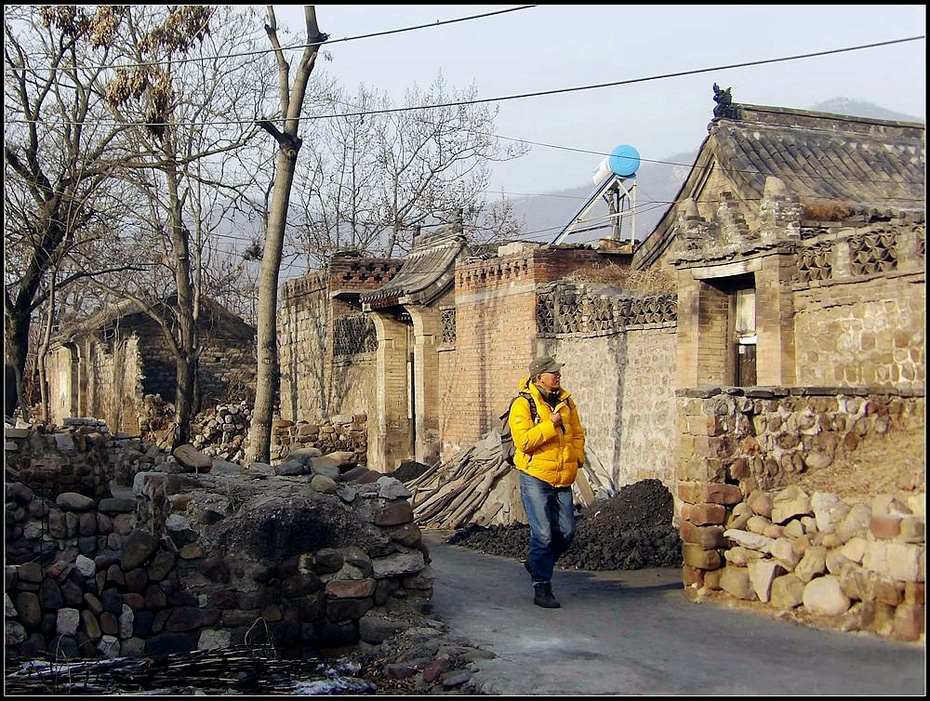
{"x":863,"y":164}
{"x":823,"y":156}
{"x":425,"y":275}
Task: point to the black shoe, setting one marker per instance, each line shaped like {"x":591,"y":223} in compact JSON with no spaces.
{"x":543,"y":596}
{"x":526,"y":566}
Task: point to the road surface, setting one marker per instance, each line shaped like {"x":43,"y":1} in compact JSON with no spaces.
{"x":632,"y":632}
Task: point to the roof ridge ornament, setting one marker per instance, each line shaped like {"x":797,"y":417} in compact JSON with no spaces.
{"x":724,"y":100}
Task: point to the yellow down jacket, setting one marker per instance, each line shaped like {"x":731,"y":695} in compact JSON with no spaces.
{"x":542,"y":450}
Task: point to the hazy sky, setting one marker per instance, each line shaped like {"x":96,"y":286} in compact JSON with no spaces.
{"x":558,"y":47}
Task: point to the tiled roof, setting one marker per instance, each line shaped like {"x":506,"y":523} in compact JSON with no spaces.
{"x":425,"y":275}
{"x":823,"y":157}
{"x":860,"y":164}
{"x":130,"y":312}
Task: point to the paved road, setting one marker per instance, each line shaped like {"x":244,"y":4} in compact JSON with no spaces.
{"x":634,"y":633}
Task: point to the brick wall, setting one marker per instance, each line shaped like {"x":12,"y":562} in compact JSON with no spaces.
{"x":494,"y":344}
{"x":304,"y":326}
{"x":315,"y":381}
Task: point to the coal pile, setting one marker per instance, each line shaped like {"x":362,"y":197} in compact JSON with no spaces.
{"x":628,"y":531}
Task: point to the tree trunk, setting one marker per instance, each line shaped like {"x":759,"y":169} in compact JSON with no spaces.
{"x":17,"y":347}
{"x":183,"y":401}
{"x":267,"y":377}
{"x":42,"y":352}
{"x":186,"y":353}
{"x":268,"y":372}
{"x":18,"y":312}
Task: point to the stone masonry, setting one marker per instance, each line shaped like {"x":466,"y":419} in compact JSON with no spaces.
{"x":199,"y":553}
{"x":750,"y":532}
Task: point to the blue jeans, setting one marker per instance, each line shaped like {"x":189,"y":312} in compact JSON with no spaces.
{"x":551,"y":515}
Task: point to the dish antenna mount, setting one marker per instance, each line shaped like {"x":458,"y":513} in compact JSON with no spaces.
{"x":615,"y":178}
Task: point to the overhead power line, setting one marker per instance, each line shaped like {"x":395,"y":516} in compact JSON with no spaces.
{"x":630,"y":81}
{"x":303,"y":45}
{"x":559,"y":91}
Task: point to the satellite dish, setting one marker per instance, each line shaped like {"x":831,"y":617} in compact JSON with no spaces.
{"x":624,"y":161}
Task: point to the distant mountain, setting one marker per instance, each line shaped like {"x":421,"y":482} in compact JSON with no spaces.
{"x":857,"y":108}
{"x":657,"y":184}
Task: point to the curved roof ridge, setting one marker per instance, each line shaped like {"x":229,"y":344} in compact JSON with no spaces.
{"x":425,"y":275}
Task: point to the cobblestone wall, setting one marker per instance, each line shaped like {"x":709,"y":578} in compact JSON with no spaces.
{"x":870,"y":334}
{"x":627,"y":405}
{"x":82,"y":457}
{"x":750,"y":530}
{"x":199,"y":558}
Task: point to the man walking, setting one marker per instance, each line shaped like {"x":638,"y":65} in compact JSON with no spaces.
{"x":549,"y":453}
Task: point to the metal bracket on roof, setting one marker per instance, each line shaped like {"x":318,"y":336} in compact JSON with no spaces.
{"x":620,"y":203}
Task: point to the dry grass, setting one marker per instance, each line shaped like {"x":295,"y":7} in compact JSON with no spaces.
{"x":881,"y":464}
{"x":651,"y":280}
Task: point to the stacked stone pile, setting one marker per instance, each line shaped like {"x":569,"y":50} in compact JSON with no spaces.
{"x":855,"y":565}
{"x":338,"y":433}
{"x":82,"y":456}
{"x":223,"y":432}
{"x":202,"y":554}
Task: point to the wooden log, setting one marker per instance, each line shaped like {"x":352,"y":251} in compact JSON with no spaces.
{"x":477,"y":496}
{"x":489,"y":510}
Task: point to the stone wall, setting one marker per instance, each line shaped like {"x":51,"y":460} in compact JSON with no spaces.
{"x":779,"y":507}
{"x":116,"y":369}
{"x":322,"y":554}
{"x":869,"y":334}
{"x":227,"y":371}
{"x":303,"y":337}
{"x":619,"y":351}
{"x":112,"y":380}
{"x":860,"y":306}
{"x":82,"y":457}
{"x":108,"y":374}
{"x":622,"y":384}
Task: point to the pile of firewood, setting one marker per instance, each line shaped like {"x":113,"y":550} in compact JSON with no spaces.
{"x":477,"y":487}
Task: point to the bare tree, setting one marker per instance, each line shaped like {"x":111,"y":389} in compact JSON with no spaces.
{"x":436,"y":160}
{"x":379,"y":172}
{"x":185,"y":94}
{"x":292,"y":98}
{"x":58,"y":162}
{"x":183,"y":101}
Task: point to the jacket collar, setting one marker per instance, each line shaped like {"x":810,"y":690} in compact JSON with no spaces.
{"x":528,"y":386}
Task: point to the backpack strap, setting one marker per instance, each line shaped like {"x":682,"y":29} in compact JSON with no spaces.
{"x":534,"y":411}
